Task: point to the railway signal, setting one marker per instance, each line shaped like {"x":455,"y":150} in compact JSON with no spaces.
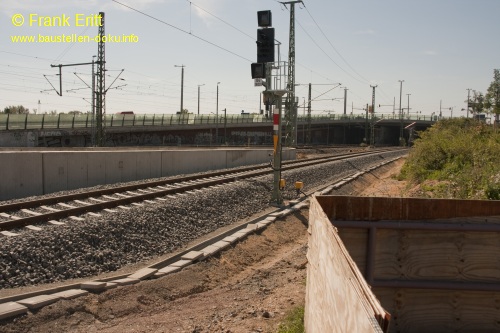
{"x":264,"y":18}
{"x":272,"y":95}
{"x":265,"y":44}
{"x":258,"y":70}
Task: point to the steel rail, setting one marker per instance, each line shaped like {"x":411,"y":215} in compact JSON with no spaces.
{"x":203,"y":182}
{"x":124,"y":188}
{"x":175,"y":257}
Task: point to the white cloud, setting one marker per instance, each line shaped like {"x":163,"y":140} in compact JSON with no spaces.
{"x":429,"y":52}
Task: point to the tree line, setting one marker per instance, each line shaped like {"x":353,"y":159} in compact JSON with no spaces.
{"x":20,"y":109}
{"x":489,"y":102}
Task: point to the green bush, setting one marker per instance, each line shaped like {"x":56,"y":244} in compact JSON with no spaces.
{"x":493,"y":193}
{"x":463,"y":154}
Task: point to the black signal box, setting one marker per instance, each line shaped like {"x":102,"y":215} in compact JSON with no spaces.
{"x":265,"y":45}
{"x":264,"y":18}
{"x":258,"y":71}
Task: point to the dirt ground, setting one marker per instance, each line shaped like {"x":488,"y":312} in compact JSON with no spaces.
{"x":250,"y":287}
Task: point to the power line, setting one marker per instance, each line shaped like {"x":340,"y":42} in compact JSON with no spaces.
{"x":229,"y":24}
{"x":385,"y":96}
{"x":23,"y":67}
{"x":21,"y":75}
{"x":182,"y":30}
{"x":141,"y":89}
{"x":333,"y":47}
{"x":253,"y":38}
{"x":322,"y":50}
{"x":331,"y":59}
{"x":28,"y":56}
{"x":149,"y":84}
{"x":70,"y":46}
{"x":312,"y":99}
{"x":249,"y":35}
{"x":144,"y":87}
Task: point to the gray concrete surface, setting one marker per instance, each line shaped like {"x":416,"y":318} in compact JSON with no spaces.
{"x":12,"y":309}
{"x":143,"y":274}
{"x":37,"y":172}
{"x":71,"y":293}
{"x":39,"y":301}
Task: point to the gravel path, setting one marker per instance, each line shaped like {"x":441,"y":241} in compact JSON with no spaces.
{"x":104,"y":244}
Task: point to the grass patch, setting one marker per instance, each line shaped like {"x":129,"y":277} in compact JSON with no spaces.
{"x":294,"y":322}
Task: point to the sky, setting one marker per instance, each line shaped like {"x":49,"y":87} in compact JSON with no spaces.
{"x":439,"y":48}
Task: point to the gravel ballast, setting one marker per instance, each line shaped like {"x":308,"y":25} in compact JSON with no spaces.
{"x":105,"y":244}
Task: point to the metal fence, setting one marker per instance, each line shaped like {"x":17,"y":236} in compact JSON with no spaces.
{"x":49,"y":121}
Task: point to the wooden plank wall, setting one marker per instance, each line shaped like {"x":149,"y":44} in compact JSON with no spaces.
{"x":337,"y":297}
{"x":447,"y":257}
{"x":374,"y":208}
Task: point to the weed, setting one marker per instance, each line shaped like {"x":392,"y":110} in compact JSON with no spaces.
{"x":462,"y":153}
{"x":294,"y":322}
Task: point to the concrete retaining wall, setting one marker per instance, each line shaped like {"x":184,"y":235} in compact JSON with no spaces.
{"x":337,"y":297}
{"x":28,"y":173}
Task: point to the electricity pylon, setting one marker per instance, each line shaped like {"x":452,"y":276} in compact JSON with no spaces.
{"x":291,"y":107}
{"x":101,"y":90}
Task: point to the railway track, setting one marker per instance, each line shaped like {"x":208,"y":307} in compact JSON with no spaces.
{"x":15,"y":303}
{"x":96,"y":202}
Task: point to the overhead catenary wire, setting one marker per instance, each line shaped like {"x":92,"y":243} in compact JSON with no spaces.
{"x":223,"y":21}
{"x":37,"y":74}
{"x":28,"y":56}
{"x":220,"y":19}
{"x":253,"y":38}
{"x":70,"y":46}
{"x":322,"y":50}
{"x":384,"y":95}
{"x":182,"y":30}
{"x":333,"y":47}
{"x":325,"y":53}
{"x":362,"y":80}
{"x":143,"y":88}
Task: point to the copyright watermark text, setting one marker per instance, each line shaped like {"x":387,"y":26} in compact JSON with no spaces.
{"x":76,"y":20}
{"x":63,"y":20}
{"x":74,"y":38}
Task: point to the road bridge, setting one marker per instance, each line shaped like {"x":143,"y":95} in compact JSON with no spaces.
{"x":77,"y":130}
